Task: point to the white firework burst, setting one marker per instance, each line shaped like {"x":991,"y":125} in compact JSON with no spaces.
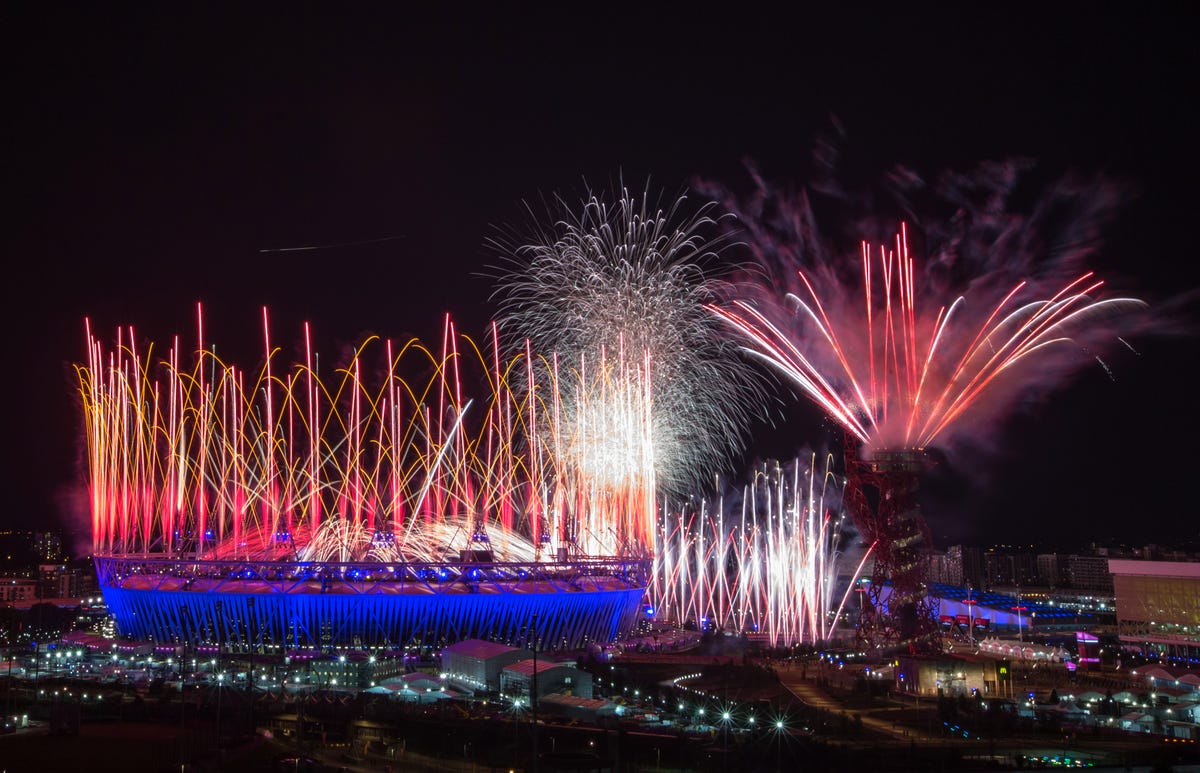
{"x":612,"y":297}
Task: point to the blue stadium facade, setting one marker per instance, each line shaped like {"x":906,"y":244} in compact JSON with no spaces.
{"x":264,"y":604}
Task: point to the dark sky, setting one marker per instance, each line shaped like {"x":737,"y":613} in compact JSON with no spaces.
{"x":149,"y":160}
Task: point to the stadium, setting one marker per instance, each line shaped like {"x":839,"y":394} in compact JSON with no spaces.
{"x":273,"y":510}
{"x":300,"y":605}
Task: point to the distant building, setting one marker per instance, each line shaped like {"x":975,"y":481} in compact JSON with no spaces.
{"x":476,"y":664}
{"x":1003,"y":568}
{"x":47,"y":547}
{"x":952,"y":675}
{"x":1158,"y":607}
{"x":14,"y":589}
{"x":942,"y":569}
{"x":354,"y":669}
{"x":574,"y":707}
{"x":564,"y":678}
{"x":1159,"y":553}
{"x":416,"y":687}
{"x":1090,"y":573}
{"x":1051,"y":570}
{"x":1025,"y":568}
{"x":58,"y":581}
{"x":978,"y":611}
{"x":965,"y":564}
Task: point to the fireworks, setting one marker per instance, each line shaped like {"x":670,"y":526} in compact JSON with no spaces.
{"x":651,"y":396}
{"x":905,"y":355}
{"x":898,"y":351}
{"x":770,"y":564}
{"x":214,"y":461}
{"x":901,"y":378}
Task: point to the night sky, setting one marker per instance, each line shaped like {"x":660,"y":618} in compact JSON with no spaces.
{"x":156,"y":161}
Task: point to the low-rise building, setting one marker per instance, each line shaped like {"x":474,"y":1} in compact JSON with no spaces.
{"x":475,"y":664}
{"x":416,"y":687}
{"x":1158,"y":608}
{"x":15,"y":589}
{"x":565,"y":678}
{"x":352,"y":670}
{"x":923,"y":676}
{"x":575,"y":707}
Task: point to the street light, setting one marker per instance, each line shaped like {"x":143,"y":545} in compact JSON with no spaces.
{"x":517,"y":726}
{"x":725,"y":750}
{"x":778,"y":744}
{"x":970,"y":602}
{"x":1020,"y":631}
{"x":220,"y":679}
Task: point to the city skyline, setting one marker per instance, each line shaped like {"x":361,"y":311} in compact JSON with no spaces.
{"x":352,"y":180}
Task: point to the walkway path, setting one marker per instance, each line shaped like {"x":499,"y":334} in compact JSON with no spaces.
{"x":807,"y":692}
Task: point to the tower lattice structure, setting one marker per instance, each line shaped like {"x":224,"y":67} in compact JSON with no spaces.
{"x":881,"y":495}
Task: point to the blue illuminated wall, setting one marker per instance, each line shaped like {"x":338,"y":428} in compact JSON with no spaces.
{"x":570,"y":619}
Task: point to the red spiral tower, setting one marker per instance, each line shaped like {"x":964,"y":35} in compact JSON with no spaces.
{"x":881,"y":496}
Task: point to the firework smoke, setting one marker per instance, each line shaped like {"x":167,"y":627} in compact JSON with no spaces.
{"x":907,"y":353}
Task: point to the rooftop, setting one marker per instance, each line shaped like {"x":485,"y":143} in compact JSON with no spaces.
{"x":1184,"y":569}
{"x":479,"y":648}
{"x":527,"y":666}
{"x":575,"y":700}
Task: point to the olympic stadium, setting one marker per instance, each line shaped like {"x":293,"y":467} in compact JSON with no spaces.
{"x":272,"y":509}
{"x":304,"y":605}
